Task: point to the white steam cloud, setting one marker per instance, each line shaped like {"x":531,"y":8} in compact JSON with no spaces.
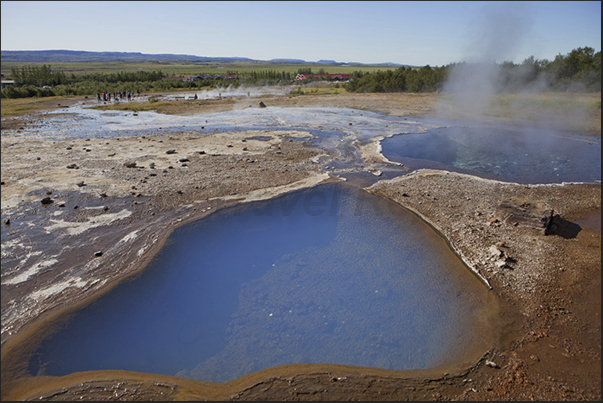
{"x":495,"y":36}
{"x":497,"y":33}
{"x":471,"y":89}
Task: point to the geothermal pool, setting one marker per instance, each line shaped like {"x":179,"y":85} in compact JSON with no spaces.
{"x":330,"y":275}
{"x":507,"y":154}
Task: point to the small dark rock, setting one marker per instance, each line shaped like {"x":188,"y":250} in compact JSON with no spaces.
{"x":72,"y":166}
{"x":130,"y":164}
{"x":7,"y":221}
{"x":103,"y":195}
{"x":262,"y":105}
{"x":46,"y":200}
{"x":81,"y":183}
{"x":184,"y":159}
{"x":98,"y":253}
{"x":170,"y":152}
{"x":112,"y":154}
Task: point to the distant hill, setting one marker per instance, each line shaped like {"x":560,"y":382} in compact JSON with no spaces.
{"x":80,"y":56}
{"x":73,"y":56}
{"x":289,"y":61}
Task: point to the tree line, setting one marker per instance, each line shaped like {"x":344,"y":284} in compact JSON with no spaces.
{"x":403,"y":79}
{"x":31,"y":81}
{"x":579,"y":70}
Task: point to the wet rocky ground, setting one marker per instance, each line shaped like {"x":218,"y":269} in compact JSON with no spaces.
{"x":111,"y":202}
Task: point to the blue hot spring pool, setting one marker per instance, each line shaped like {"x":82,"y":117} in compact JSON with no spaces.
{"x":513,"y":155}
{"x":329,"y":275}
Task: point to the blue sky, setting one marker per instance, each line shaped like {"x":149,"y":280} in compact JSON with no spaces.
{"x":406,"y":32}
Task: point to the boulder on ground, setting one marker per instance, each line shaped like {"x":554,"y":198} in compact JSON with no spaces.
{"x":525,"y":213}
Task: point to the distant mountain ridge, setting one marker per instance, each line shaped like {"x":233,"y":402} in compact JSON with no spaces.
{"x":67,"y":56}
{"x":75,"y":56}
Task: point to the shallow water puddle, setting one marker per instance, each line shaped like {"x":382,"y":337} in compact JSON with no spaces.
{"x":330,"y":274}
{"x":515,"y":155}
{"x":81,"y":121}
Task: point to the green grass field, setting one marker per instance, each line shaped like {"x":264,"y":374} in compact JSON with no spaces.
{"x":176,"y":70}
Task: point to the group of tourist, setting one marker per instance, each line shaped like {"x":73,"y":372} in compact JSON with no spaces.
{"x":117,"y":95}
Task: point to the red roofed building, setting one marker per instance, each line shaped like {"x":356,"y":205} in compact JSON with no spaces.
{"x":340,"y":77}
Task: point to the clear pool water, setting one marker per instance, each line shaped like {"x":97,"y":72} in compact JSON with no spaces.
{"x":513,"y":155}
{"x":330,"y":275}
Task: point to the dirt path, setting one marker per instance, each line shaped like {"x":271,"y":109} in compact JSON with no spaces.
{"x":549,"y":283}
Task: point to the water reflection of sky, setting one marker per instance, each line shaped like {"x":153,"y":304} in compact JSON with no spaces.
{"x":325,"y":275}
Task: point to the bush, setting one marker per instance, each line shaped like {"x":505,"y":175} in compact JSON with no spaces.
{"x":9,"y":92}
{"x":26,"y":91}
